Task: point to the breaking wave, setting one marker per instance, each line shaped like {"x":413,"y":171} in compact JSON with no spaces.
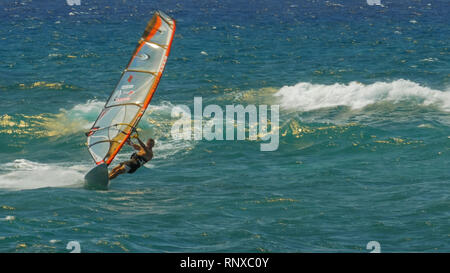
{"x":307,"y":96}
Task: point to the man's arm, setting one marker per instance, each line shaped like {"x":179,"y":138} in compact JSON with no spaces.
{"x":143,"y":145}
{"x":135,"y":146}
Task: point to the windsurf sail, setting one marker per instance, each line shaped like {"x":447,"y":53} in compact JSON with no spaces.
{"x":132,"y":95}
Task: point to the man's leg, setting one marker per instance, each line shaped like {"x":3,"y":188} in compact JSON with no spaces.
{"x":115,"y":169}
{"x":120,"y":169}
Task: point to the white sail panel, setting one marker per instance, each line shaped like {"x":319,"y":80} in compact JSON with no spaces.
{"x":148,"y":59}
{"x":132,"y":88}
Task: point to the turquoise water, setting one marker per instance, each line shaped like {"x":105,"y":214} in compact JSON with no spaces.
{"x":364,"y":127}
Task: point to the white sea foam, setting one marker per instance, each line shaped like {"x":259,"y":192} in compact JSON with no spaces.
{"x":429,"y":60}
{"x":24,"y":174}
{"x":88,"y":107}
{"x":164,"y":108}
{"x":164,"y":148}
{"x":307,"y":96}
{"x":84,"y":114}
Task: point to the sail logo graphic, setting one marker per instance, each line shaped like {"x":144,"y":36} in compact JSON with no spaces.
{"x":208,"y":123}
{"x":128,"y":86}
{"x":73,"y":2}
{"x":143,"y":57}
{"x":120,"y":97}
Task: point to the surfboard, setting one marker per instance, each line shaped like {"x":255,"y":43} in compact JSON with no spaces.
{"x":132,"y":94}
{"x":97,"y":178}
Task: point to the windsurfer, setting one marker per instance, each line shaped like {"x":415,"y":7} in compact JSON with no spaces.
{"x":143,"y":155}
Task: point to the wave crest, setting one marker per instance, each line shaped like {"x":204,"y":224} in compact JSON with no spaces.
{"x":307,"y":96}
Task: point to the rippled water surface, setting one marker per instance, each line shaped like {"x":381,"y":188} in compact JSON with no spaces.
{"x":364,"y":147}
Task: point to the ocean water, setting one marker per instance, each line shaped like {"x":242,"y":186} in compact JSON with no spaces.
{"x":364,"y":148}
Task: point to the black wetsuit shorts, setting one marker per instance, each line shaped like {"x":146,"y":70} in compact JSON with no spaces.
{"x":131,"y":165}
{"x":134,"y":163}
